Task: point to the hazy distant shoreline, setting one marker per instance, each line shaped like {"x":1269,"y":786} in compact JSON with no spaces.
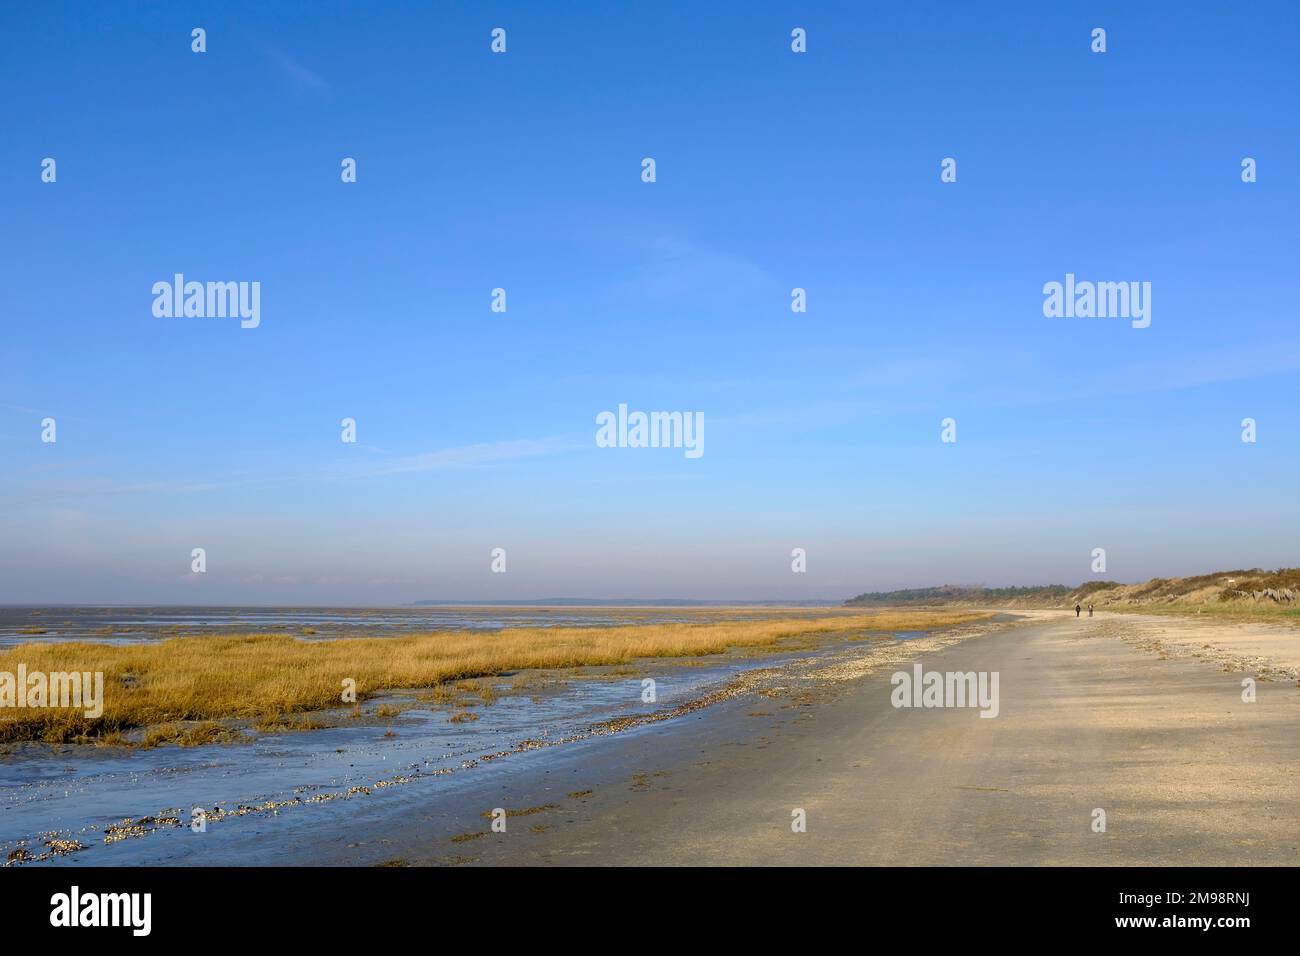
{"x":141,"y":623}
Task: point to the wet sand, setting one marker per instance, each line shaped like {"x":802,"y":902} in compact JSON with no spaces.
{"x":1092,"y":716}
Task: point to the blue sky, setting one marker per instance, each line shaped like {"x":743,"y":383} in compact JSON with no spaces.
{"x":522,"y":171}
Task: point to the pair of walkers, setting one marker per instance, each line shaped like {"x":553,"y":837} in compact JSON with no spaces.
{"x":1079,"y":607}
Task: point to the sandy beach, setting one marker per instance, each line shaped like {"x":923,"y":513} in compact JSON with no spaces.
{"x":1093,"y":714}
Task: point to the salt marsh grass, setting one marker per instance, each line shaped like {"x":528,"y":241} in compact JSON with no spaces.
{"x":264,"y":678}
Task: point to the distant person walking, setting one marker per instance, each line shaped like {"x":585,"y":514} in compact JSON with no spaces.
{"x":1089,"y":610}
{"x":1077,"y":609}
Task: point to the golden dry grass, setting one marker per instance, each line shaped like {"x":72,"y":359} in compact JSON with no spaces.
{"x":263,"y":678}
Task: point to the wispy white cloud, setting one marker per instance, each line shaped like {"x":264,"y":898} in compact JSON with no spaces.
{"x":675,"y":267}
{"x":466,"y":456}
{"x":1004,"y":384}
{"x":300,"y":77}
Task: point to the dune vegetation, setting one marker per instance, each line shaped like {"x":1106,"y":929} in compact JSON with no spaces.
{"x":1254,"y":594}
{"x":190,"y":683}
